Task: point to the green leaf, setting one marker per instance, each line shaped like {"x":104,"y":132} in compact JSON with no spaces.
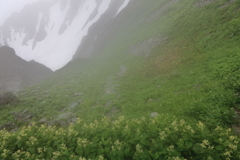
{"x":31,"y":150}
{"x":219,"y":148}
{"x":188,"y":144}
{"x":49,"y":150}
{"x":155,"y":156}
{"x":163,"y":152}
{"x":132,"y":141}
{"x":48,"y":143}
{"x":66,"y":153}
{"x":158,"y":146}
{"x":100,"y":151}
{"x":225,"y":144}
{"x":64,"y":158}
{"x":174,"y":137}
{"x":126,"y":151}
{"x":143,"y":141}
{"x":95,"y":139}
{"x":198,"y":149}
{"x":19,"y":145}
{"x":107,"y":149}
{"x":79,"y":151}
{"x":105,"y":142}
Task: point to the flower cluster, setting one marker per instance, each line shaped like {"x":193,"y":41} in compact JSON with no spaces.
{"x":155,"y":138}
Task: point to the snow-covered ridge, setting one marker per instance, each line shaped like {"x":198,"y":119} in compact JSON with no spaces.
{"x":50,"y":31}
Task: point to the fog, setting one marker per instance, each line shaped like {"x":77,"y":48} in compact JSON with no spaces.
{"x":49,"y":31}
{"x":7,"y":7}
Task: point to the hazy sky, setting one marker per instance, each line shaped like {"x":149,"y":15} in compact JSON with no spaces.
{"x":9,"y":6}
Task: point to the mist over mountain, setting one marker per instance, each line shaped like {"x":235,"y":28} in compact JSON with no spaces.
{"x":160,"y":80}
{"x":16,"y":73}
{"x":50,"y":31}
{"x":97,"y":31}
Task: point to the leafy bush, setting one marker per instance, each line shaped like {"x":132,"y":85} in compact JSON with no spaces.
{"x":228,"y":69}
{"x":145,"y":138}
{"x":7,"y":98}
{"x":211,"y":115}
{"x":234,"y":26}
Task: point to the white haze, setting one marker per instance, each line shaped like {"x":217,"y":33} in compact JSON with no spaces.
{"x":55,"y":50}
{"x":7,"y":7}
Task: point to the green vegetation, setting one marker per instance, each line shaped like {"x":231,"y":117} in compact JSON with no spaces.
{"x":191,"y":79}
{"x":141,"y":138}
{"x":7,"y":98}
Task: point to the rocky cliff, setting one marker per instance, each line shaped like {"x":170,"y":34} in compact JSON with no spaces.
{"x":47,"y":30}
{"x":16,"y":73}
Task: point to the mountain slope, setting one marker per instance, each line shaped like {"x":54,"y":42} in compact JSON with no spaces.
{"x":180,"y":63}
{"x":163,"y":84}
{"x":16,"y":73}
{"x":46,"y":30}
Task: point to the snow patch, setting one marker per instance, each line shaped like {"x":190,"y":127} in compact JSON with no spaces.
{"x":122,"y":7}
{"x":103,"y":7}
{"x":56,"y":50}
{"x":1,"y":39}
{"x":10,"y":6}
{"x":40,"y":15}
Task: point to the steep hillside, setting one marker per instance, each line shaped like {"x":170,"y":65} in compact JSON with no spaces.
{"x":163,"y":83}
{"x":16,"y":73}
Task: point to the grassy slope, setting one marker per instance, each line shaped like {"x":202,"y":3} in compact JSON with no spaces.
{"x":174,"y":79}
{"x":193,"y":75}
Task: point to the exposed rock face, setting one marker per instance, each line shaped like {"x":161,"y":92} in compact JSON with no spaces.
{"x":16,"y":73}
{"x":154,"y":114}
{"x":110,"y":86}
{"x":72,"y":105}
{"x":66,"y":116}
{"x":8,"y":126}
{"x":87,"y":45}
{"x":62,"y":120}
{"x":46,"y":30}
{"x":24,"y":116}
{"x":99,"y":32}
{"x":7,"y":98}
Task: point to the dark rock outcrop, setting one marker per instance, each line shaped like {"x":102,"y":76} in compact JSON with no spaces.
{"x":9,"y":126}
{"x":87,"y":45}
{"x":7,"y":98}
{"x":43,"y":27}
{"x":63,"y":120}
{"x":24,"y":116}
{"x":16,"y":73}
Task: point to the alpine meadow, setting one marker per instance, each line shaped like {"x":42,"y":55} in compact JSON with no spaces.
{"x":162,"y":83}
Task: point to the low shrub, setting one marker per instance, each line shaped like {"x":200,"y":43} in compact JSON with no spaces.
{"x":234,"y":26}
{"x":7,"y":98}
{"x":228,"y":69}
{"x":211,"y":116}
{"x":141,"y":139}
